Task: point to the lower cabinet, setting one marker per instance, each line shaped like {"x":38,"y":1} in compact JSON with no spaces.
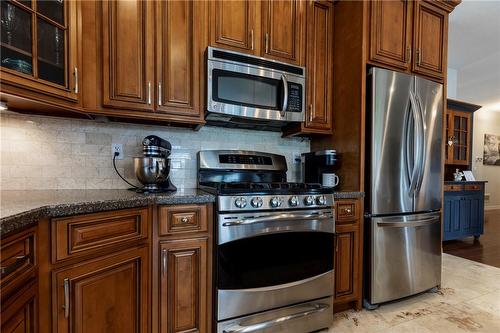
{"x":463,"y":214}
{"x":344,"y":257}
{"x":348,"y":254}
{"x":183,"y":285}
{"x":19,"y":313}
{"x":105,"y":295}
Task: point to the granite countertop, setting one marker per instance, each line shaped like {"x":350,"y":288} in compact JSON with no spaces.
{"x":348,"y":195}
{"x":19,"y":209}
{"x":464,"y":181}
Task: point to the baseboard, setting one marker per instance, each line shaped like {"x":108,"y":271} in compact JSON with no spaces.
{"x":492,"y":207}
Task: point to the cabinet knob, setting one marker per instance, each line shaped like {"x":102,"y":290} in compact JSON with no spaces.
{"x":184,"y":220}
{"x":348,"y":210}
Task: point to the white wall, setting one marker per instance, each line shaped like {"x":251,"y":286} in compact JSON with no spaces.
{"x":39,"y":152}
{"x":486,"y":122}
{"x":451,"y":88}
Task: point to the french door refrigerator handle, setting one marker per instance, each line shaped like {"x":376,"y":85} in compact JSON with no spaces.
{"x":421,"y":138}
{"x":407,"y":143}
{"x":414,"y":173}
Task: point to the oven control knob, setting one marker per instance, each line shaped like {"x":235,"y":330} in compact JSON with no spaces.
{"x":320,"y":200}
{"x":294,"y":201}
{"x":256,"y":202}
{"x":275,"y":202}
{"x":240,"y":202}
{"x":309,"y":200}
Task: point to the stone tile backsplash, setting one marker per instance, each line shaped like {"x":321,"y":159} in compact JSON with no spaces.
{"x":38,"y":152}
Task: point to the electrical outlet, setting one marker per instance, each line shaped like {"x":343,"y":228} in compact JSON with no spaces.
{"x":296,"y":158}
{"x":117,"y":148}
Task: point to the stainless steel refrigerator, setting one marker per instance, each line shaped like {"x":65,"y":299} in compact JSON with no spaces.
{"x":403,"y":187}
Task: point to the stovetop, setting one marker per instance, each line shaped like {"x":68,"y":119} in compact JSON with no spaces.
{"x":251,"y":188}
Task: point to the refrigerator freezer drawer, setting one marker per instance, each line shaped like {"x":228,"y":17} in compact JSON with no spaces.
{"x":405,"y":255}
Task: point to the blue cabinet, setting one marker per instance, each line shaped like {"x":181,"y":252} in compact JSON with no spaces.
{"x":463,"y":213}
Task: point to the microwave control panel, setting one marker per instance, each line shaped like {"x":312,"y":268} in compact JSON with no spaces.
{"x":294,"y":97}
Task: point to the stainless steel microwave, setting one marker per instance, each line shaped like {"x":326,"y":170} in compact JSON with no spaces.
{"x":247,"y":91}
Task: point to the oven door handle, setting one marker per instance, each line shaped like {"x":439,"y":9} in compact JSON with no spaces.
{"x":285,"y":95}
{"x":316,"y":307}
{"x":280,"y":217}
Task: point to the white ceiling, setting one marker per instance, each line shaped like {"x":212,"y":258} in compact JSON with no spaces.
{"x":474,"y":32}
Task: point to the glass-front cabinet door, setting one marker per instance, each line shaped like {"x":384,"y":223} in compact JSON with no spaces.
{"x":458,"y":139}
{"x":38,"y":46}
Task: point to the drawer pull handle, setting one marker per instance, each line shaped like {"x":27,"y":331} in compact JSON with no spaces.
{"x":66,"y":298}
{"x":184,"y":220}
{"x":20,"y":260}
{"x":164,"y":261}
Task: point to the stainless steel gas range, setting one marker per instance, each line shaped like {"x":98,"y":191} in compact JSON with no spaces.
{"x":273,"y":245}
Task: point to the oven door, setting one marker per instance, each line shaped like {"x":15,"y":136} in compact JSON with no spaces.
{"x":254,"y":92}
{"x":272,"y":260}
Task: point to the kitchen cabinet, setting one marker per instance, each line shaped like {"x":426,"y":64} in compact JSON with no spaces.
{"x":390,"y":33}
{"x":410,"y":36}
{"x":40,"y":50}
{"x":235,"y":25}
{"x":19,"y":313}
{"x":344,"y":257}
{"x":319,"y":66}
{"x":184,"y":285}
{"x":149,"y":60}
{"x":282,"y":30}
{"x":348,"y":254}
{"x":463,"y":211}
{"x":128,"y":54}
{"x":430,"y":40}
{"x":110,"y":294}
{"x":458,"y":134}
{"x":270,"y":29}
{"x":183,"y":255}
{"x":180,"y":57}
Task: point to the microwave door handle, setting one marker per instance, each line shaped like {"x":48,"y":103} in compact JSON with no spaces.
{"x":285,"y":95}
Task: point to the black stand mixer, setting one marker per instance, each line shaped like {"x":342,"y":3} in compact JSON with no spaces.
{"x":153,"y":169}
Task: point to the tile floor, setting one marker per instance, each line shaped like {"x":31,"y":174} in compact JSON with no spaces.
{"x":468,"y":301}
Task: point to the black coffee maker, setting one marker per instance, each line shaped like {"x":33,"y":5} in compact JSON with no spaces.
{"x":321,"y":167}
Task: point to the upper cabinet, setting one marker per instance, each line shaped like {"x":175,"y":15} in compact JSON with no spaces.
{"x":39,"y":49}
{"x":152,"y":59}
{"x":283,"y":29}
{"x":270,"y":29}
{"x":430,"y":40}
{"x":458,"y":130}
{"x":127,"y":54}
{"x":319,"y":70}
{"x":180,"y":57}
{"x":234,"y":25}
{"x":390,"y":33}
{"x":410,"y":36}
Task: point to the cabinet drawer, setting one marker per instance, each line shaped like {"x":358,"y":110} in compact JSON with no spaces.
{"x":18,"y":260}
{"x":472,"y":187}
{"x":346,"y":211}
{"x":453,"y":188}
{"x":182,"y":219}
{"x":80,"y":235}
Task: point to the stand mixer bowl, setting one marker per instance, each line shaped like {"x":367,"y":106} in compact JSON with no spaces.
{"x":152,"y":172}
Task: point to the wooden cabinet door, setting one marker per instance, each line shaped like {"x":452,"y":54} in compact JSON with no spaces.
{"x":183,"y":286}
{"x":19,"y":313}
{"x":235,"y":25}
{"x":128,"y":54}
{"x":390,"y":33}
{"x":105,"y":295}
{"x":461,"y":138}
{"x":430,"y":40}
{"x":319,"y":63}
{"x":282,"y":30}
{"x":182,"y":36}
{"x":39,"y":49}
{"x":346,"y":270}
